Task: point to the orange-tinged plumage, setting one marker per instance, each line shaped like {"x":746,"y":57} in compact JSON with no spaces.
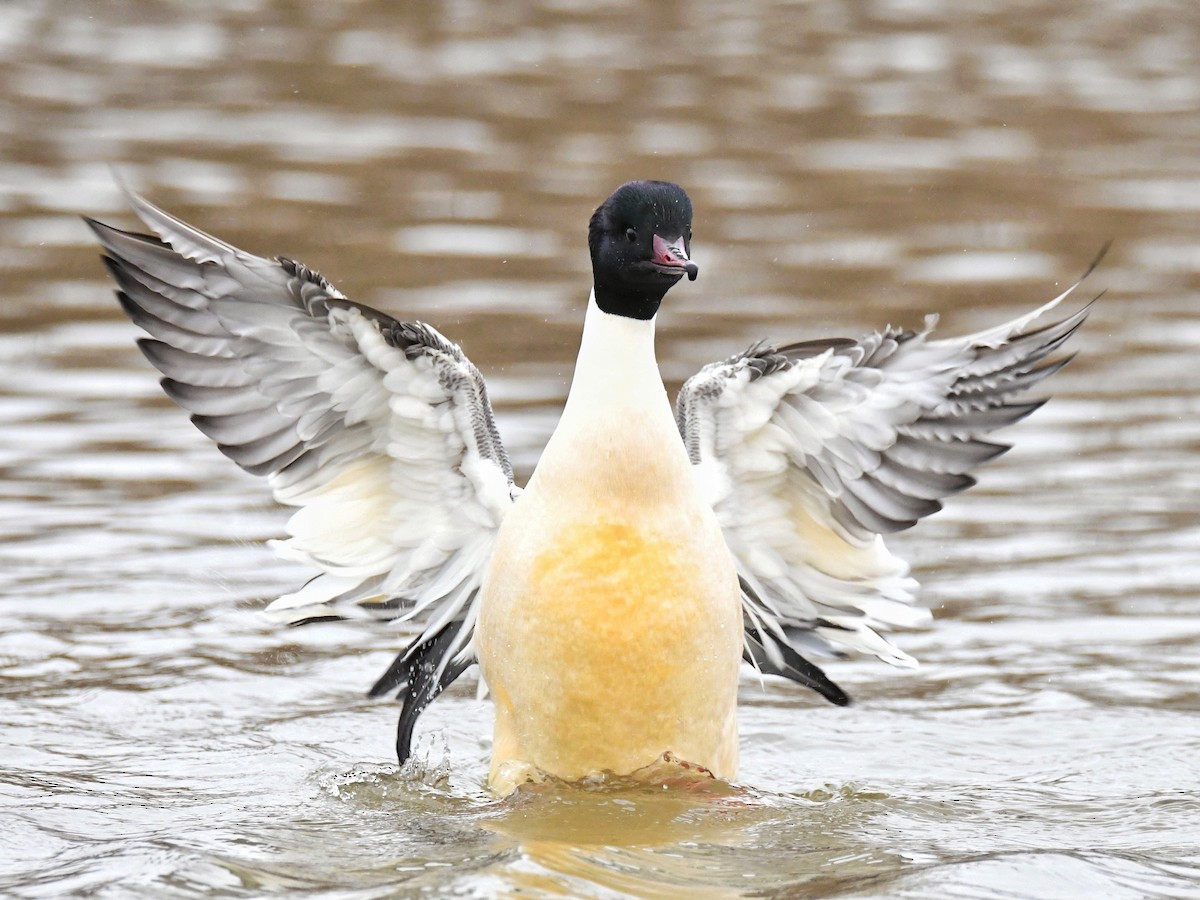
{"x":610,"y":627}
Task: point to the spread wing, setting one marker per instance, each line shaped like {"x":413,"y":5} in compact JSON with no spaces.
{"x":380,"y":432}
{"x":811,"y":452}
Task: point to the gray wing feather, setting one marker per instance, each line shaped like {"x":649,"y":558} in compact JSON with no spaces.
{"x":810,"y":452}
{"x":379,"y":430}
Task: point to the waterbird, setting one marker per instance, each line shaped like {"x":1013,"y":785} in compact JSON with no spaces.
{"x":611,"y":601}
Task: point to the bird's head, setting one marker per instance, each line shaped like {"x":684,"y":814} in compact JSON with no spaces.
{"x":640,"y":241}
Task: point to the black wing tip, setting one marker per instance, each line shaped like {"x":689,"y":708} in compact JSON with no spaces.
{"x":128,"y":306}
{"x":94,"y":224}
{"x":798,"y":350}
{"x":101,"y":229}
{"x":153,"y":349}
{"x":395,"y":676}
{"x":794,"y":666}
{"x":176,"y":390}
{"x":1045,"y":370}
{"x":306,"y":273}
{"x":837,"y":697}
{"x":1024,"y":410}
{"x":1105,"y":247}
{"x":815,"y":678}
{"x":106,"y":234}
{"x":995,"y":450}
{"x":313,"y":620}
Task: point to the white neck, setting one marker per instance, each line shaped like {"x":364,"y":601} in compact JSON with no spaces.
{"x":617,"y":429}
{"x":616,"y":366}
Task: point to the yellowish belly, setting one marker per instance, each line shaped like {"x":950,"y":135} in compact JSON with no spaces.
{"x":611,"y":644}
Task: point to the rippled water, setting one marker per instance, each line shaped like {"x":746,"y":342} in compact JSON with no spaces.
{"x":852,"y":164}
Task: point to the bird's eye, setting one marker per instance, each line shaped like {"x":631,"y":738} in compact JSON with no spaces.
{"x":631,"y":235}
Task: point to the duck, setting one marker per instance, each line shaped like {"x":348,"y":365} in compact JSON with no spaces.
{"x":611,"y":601}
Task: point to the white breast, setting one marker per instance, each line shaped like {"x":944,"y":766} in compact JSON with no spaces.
{"x":610,"y":622}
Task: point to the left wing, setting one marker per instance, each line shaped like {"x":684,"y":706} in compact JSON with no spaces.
{"x":810,"y":452}
{"x":379,"y":431}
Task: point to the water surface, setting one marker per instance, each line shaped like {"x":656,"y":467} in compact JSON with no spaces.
{"x":852,"y":165}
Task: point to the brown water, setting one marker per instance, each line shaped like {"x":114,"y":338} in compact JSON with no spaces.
{"x":852,"y":164}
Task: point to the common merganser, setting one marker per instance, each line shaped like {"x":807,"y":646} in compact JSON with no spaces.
{"x":610,"y":602}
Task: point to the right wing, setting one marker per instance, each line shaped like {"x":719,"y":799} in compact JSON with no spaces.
{"x":379,"y":431}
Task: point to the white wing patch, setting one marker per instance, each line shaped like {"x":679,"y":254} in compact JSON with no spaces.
{"x":384,"y":526}
{"x":805,"y":570}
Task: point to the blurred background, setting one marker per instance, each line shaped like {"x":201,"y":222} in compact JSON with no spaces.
{"x":852,"y":165}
